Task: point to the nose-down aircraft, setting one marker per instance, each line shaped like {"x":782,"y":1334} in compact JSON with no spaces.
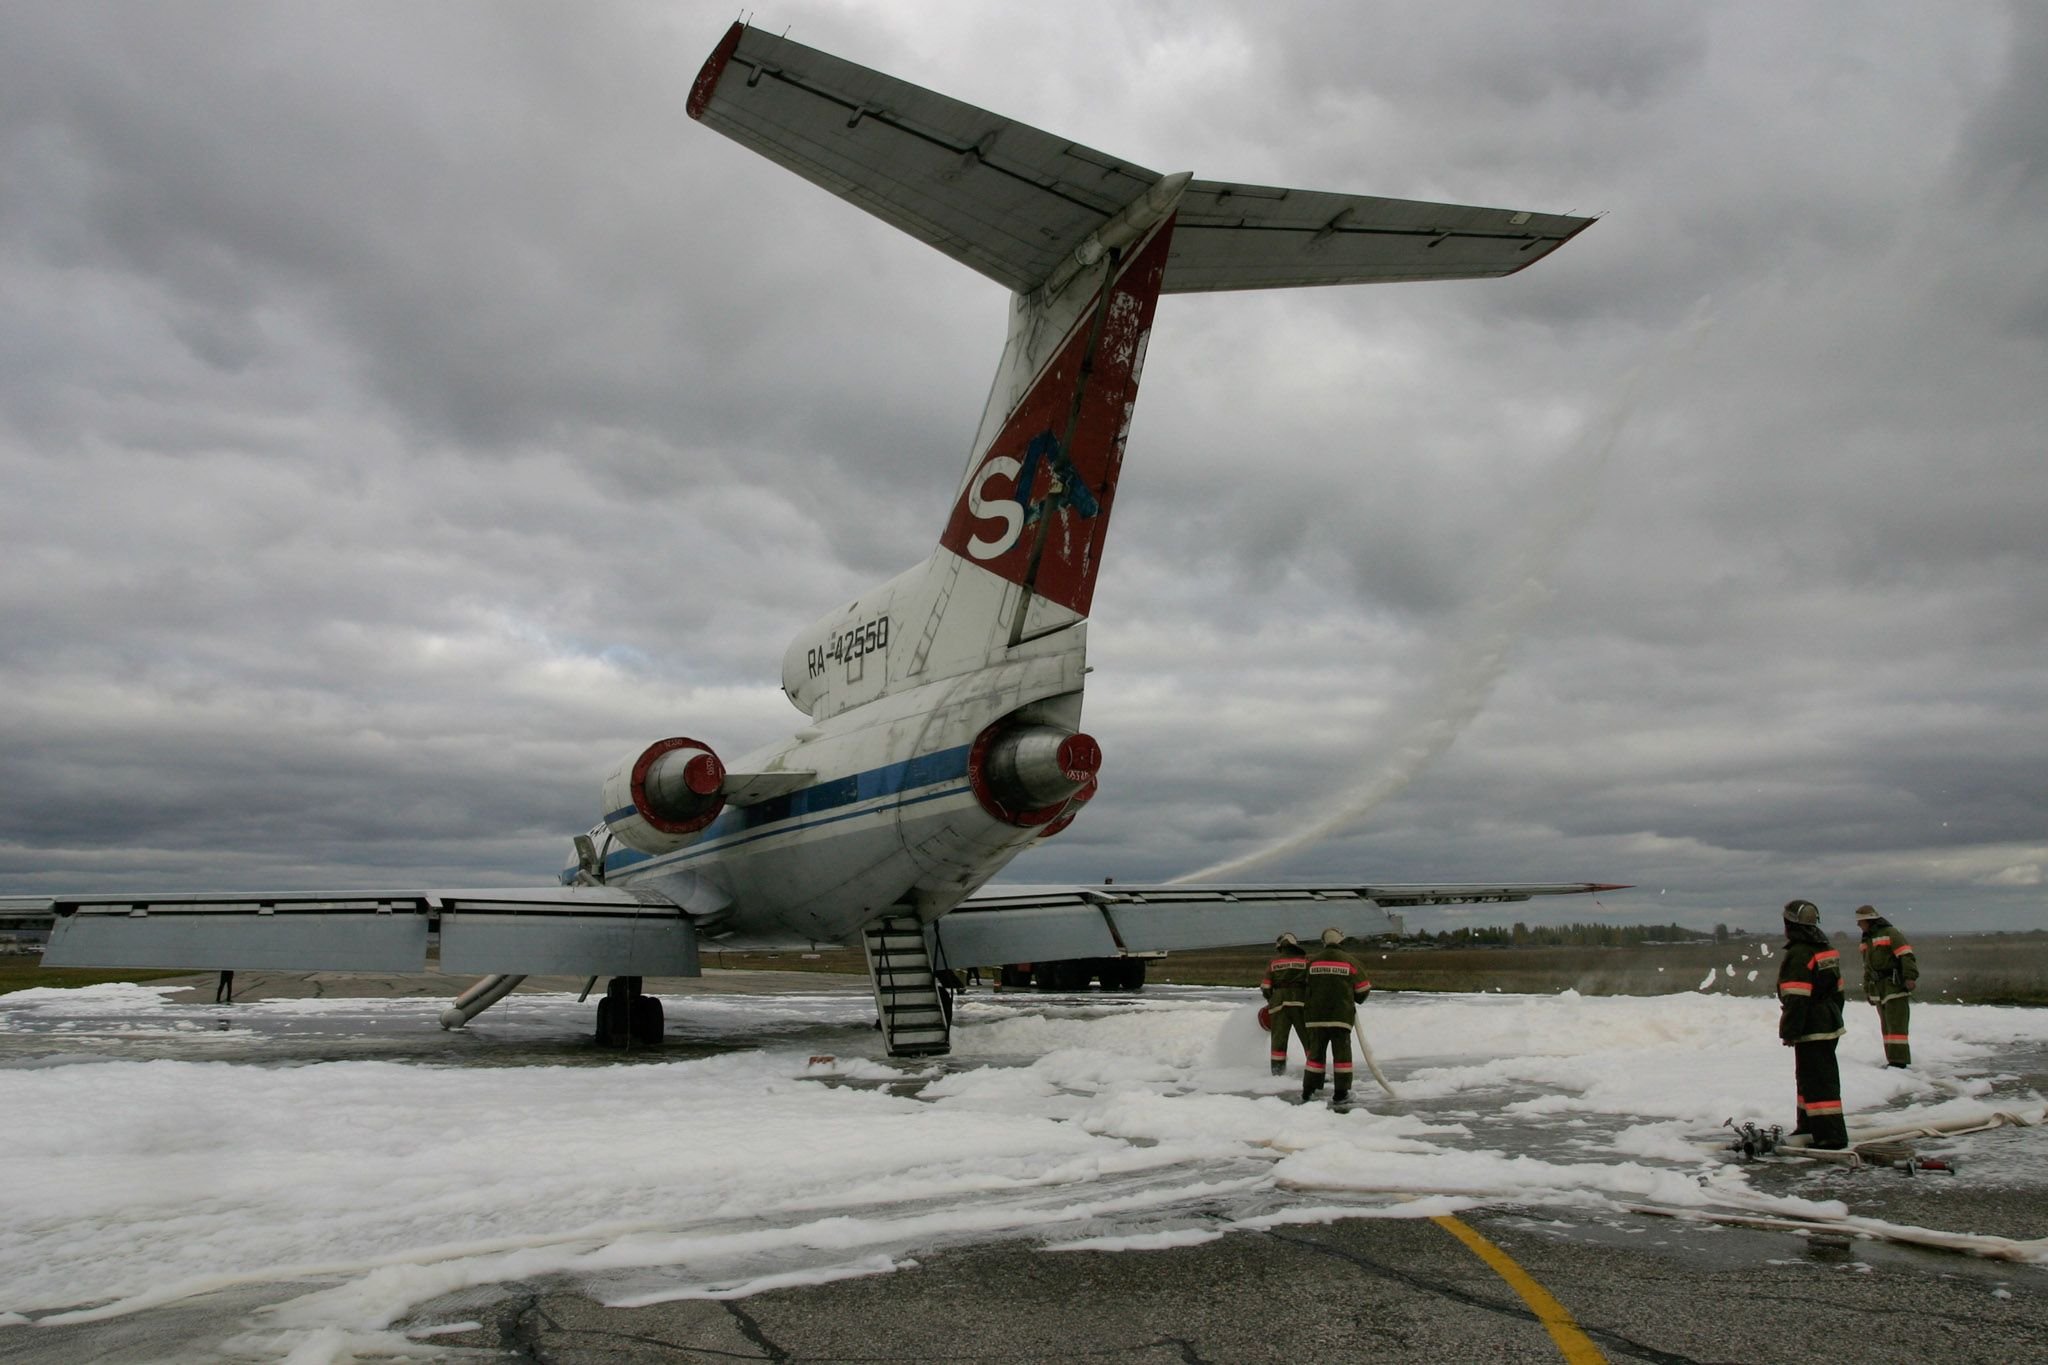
{"x":943,"y":708}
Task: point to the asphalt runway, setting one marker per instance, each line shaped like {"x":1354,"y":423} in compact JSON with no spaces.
{"x":1390,"y":1290}
{"x":1536,"y":1284}
{"x":1402,"y":1290}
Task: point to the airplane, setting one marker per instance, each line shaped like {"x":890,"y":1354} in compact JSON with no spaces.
{"x":942,"y":710}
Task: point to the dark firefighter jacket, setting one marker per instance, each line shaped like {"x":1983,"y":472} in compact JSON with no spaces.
{"x":1889,"y":968}
{"x":1336,"y":983}
{"x":1286,"y":980}
{"x":1809,"y":987}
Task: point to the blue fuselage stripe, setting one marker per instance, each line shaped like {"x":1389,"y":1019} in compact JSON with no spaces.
{"x":798,"y":809}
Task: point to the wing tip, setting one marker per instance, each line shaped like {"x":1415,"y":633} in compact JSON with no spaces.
{"x":1550,"y":250}
{"x":714,"y":68}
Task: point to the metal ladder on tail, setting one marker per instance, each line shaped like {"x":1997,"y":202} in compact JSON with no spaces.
{"x":914,"y":1022}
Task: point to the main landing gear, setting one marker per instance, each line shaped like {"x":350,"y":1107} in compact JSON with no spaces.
{"x":626,"y":1018}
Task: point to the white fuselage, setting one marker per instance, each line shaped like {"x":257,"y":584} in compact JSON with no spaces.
{"x":890,"y":822}
{"x":910,"y":686}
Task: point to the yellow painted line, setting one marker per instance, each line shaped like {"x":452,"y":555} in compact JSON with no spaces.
{"x":1575,"y":1346}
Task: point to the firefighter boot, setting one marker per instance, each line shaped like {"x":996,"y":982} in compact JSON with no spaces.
{"x":1279,"y":1068}
{"x":1340,"y":1098}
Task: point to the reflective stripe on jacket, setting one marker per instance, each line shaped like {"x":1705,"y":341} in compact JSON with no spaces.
{"x":1809,"y":987}
{"x":1286,"y":981}
{"x":1889,"y":967}
{"x":1336,"y":983}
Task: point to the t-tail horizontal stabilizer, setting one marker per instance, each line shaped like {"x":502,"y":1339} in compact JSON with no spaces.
{"x":1014,"y":202}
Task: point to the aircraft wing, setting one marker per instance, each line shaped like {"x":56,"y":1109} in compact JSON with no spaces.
{"x":571,"y":931}
{"x":18,"y":913}
{"x":1013,"y":201}
{"x":1043,"y":924}
{"x":1260,"y":237}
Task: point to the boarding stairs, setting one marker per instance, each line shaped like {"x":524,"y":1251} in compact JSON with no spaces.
{"x":914,"y":1019}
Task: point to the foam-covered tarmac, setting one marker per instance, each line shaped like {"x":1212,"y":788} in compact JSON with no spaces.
{"x":1218,"y":1254}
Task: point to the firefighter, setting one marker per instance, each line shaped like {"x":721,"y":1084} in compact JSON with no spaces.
{"x":1336,"y":985}
{"x":1810,"y":1023}
{"x":1284,"y":987}
{"x":1890,"y":973}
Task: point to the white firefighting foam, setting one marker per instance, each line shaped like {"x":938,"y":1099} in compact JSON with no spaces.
{"x":361,"y":1189}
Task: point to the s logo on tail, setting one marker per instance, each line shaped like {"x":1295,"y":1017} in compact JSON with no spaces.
{"x":1064,"y":488}
{"x":1036,"y":508}
{"x":1007,"y":509}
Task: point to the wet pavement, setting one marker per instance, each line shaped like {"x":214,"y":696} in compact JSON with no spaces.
{"x":1639,"y":1285}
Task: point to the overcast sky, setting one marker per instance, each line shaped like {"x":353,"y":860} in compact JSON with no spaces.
{"x":406,"y":411}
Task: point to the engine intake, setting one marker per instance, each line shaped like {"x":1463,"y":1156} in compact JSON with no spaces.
{"x":661,"y":798}
{"x":1027,"y":774}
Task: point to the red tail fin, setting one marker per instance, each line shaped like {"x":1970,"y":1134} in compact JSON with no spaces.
{"x":1035,"y":507}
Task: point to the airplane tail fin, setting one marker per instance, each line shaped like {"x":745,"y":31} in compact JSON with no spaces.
{"x":1086,"y":242}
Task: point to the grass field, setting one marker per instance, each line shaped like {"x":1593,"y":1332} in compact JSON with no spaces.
{"x":1985,"y":969}
{"x":21,"y":973}
{"x":1981,"y":969}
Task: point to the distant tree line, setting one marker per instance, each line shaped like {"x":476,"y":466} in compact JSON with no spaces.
{"x":1522,"y":935}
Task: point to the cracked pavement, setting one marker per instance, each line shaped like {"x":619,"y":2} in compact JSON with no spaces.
{"x":1394,"y":1290}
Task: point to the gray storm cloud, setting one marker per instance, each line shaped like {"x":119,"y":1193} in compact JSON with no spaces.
{"x":406,"y":410}
{"x":1481,"y":637}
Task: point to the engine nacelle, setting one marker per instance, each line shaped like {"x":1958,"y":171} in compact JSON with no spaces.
{"x":661,"y":798}
{"x":1027,"y":774}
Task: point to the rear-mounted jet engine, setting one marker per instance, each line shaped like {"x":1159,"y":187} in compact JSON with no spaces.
{"x":1026,"y":775}
{"x":660,"y":799}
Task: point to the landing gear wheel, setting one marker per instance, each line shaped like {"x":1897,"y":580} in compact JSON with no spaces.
{"x":621,"y":1015}
{"x":647,"y":1020}
{"x":611,"y":1030}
